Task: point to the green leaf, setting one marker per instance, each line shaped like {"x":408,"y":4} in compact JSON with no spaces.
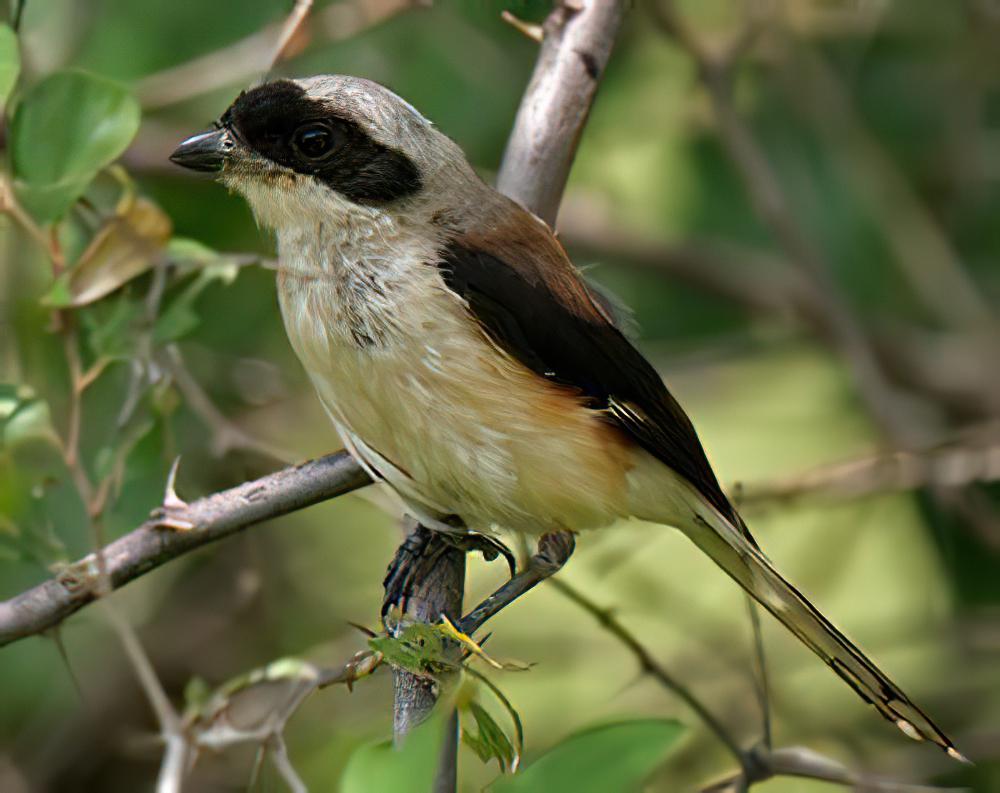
{"x":508,"y":759}
{"x":66,"y":129}
{"x":489,"y":741}
{"x":418,"y":648}
{"x":60,"y":294}
{"x":10,"y":62}
{"x":178,"y":320}
{"x":615,"y":757}
{"x":409,"y":769}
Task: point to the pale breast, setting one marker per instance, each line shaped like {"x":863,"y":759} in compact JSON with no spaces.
{"x":404,"y":370}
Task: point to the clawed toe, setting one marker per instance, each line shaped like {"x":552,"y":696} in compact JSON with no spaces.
{"x":422,"y":549}
{"x":489,"y":547}
{"x":413,"y":557}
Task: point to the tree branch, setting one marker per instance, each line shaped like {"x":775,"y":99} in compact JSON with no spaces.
{"x":436,"y":588}
{"x":578,"y":37}
{"x":149,"y":546}
{"x":650,"y":665}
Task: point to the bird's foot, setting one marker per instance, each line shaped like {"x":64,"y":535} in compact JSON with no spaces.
{"x":422,"y":550}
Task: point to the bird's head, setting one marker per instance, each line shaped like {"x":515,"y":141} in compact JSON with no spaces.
{"x":304,"y":151}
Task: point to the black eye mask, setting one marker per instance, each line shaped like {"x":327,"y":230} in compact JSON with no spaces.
{"x":280,"y":122}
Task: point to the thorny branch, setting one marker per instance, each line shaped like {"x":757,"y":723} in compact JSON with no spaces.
{"x":147,"y":547}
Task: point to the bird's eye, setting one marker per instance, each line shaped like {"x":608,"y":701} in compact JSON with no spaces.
{"x":315,"y":141}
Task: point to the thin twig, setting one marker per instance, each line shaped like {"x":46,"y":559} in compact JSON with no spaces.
{"x":293,"y":24}
{"x":71,"y":443}
{"x":279,"y":753}
{"x":47,"y":241}
{"x":166,"y":716}
{"x":254,"y":54}
{"x":924,"y":255}
{"x":174,"y":761}
{"x":174,"y":764}
{"x":769,"y":287}
{"x":649,"y":664}
{"x":802,"y":763}
{"x":952,"y":466}
{"x":164,"y":711}
{"x":18,"y":14}
{"x":761,"y":680}
{"x":757,"y":764}
{"x":759,"y":281}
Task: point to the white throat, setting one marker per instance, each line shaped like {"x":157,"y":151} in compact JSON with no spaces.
{"x":357,"y":275}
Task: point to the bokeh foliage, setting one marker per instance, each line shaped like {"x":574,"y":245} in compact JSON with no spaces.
{"x":178,"y":332}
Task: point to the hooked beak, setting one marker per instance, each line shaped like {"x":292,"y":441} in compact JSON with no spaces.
{"x":205,"y":152}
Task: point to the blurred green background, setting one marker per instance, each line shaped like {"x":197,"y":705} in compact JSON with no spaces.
{"x":882,"y":121}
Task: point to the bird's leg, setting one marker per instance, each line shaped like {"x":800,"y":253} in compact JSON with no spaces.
{"x":422,"y":550}
{"x":554,"y":550}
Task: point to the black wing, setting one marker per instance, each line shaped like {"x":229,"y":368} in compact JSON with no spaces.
{"x":544,"y":315}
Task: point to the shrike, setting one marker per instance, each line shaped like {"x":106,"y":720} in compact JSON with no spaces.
{"x":461,"y":356}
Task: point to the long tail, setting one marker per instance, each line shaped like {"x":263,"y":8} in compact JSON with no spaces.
{"x":733,"y":549}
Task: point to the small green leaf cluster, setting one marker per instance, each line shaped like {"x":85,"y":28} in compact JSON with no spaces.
{"x":120,"y":290}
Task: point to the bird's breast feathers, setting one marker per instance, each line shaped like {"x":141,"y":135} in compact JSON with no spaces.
{"x":428,"y":402}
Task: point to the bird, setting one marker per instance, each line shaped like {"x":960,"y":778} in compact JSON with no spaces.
{"x":464,"y":360}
